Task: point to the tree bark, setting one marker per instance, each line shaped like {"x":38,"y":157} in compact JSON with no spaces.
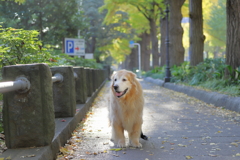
{"x":133,"y":59}
{"x":145,"y":51}
{"x":196,"y":36}
{"x":163,"y":29}
{"x":154,"y":42}
{"x":233,"y":34}
{"x":176,"y":49}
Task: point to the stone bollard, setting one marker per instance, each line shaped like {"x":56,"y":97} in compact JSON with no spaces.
{"x":89,"y":81}
{"x":80,"y":85}
{"x":64,"y":96}
{"x":108,"y":73}
{"x":28,"y":118}
{"x":102,"y":76}
{"x":94,"y":79}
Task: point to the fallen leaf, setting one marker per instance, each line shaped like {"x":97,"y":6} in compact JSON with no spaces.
{"x":235,"y":144}
{"x":212,"y":155}
{"x":211,"y":144}
{"x":238,"y":154}
{"x":66,"y":151}
{"x":116,"y":149}
{"x":63,"y":120}
{"x":116,"y":155}
{"x":189,"y":157}
{"x":181,"y":145}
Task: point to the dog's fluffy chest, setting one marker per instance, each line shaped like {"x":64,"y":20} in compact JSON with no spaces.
{"x":128,"y":114}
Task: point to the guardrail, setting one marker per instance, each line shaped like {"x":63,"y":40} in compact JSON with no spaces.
{"x":21,"y":84}
{"x":34,"y":95}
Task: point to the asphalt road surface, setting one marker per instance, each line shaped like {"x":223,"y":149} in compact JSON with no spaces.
{"x":179,"y":127}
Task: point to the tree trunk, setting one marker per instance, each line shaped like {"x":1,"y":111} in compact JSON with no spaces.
{"x":233,"y":34}
{"x":133,"y":59}
{"x":154,"y":42}
{"x":176,"y":49}
{"x":163,"y":29}
{"x":196,"y":32}
{"x":145,"y":54}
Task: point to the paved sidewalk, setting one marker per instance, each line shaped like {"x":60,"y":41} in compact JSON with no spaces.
{"x":179,"y":127}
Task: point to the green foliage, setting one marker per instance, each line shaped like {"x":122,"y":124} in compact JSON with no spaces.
{"x":209,"y":74}
{"x":20,"y":46}
{"x":65,"y":60}
{"x":54,"y":19}
{"x":234,"y":74}
{"x":216,"y":22}
{"x":207,"y":70}
{"x":157,"y":72}
{"x":179,"y":73}
{"x":23,"y":47}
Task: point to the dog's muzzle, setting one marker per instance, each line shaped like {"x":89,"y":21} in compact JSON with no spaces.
{"x":119,"y":93}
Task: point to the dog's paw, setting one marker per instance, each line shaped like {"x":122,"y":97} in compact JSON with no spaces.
{"x":137,"y":145}
{"x":121,"y":144}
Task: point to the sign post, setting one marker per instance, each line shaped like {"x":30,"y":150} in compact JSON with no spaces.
{"x":73,"y":46}
{"x":131,"y":44}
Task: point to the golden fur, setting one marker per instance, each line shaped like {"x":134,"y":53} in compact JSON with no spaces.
{"x":125,"y":113}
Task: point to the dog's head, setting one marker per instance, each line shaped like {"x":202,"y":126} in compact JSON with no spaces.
{"x":122,"y":82}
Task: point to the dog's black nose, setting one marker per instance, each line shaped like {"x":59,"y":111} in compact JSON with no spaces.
{"x":115,"y":87}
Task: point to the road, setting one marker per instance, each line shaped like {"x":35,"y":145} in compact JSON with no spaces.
{"x":179,"y":127}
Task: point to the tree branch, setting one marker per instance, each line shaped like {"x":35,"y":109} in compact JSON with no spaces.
{"x":143,"y":10}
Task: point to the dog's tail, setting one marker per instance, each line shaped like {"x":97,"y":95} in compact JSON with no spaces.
{"x":143,"y":136}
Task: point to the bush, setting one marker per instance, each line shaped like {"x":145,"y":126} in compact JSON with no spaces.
{"x":18,"y":46}
{"x":209,"y":74}
{"x":65,"y":60}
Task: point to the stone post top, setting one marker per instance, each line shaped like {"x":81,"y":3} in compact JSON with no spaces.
{"x":27,"y":64}
{"x":62,"y":67}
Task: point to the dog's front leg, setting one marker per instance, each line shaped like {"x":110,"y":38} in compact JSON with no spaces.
{"x":134,"y":136}
{"x":118,"y":135}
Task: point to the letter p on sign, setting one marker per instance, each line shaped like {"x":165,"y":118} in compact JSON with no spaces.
{"x":70,"y":46}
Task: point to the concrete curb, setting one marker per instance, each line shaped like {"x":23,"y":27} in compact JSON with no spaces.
{"x":63,"y":131}
{"x":217,"y":99}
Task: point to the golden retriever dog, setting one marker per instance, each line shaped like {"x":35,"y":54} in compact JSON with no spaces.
{"x":126,"y":108}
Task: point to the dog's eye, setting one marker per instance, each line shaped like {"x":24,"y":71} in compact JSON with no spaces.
{"x":124,"y":79}
{"x":115,"y":79}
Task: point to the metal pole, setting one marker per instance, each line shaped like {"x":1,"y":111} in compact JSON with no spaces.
{"x":57,"y":78}
{"x":139,"y":56}
{"x":168,"y":72}
{"x":139,"y":60}
{"x":21,"y":84}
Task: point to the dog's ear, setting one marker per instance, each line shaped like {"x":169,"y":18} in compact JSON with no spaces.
{"x":112,"y":77}
{"x":133,"y":79}
{"x":133,"y":75}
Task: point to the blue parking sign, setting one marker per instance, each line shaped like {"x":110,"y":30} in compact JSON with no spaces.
{"x":69,"y":46}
